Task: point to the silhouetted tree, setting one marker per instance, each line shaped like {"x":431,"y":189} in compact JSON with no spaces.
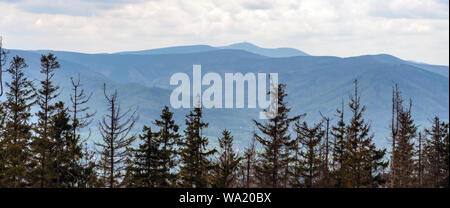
{"x":364,"y":160}
{"x":168,"y":137}
{"x":195,"y":162}
{"x":117,"y":136}
{"x":247,"y":166}
{"x":436,"y":154}
{"x":309,"y":140}
{"x":42,"y":143}
{"x":16,"y":132}
{"x":144,"y":169}
{"x":276,"y":155}
{"x":341,"y":168}
{"x":225,"y":170}
{"x":404,"y":150}
{"x":81,"y":118}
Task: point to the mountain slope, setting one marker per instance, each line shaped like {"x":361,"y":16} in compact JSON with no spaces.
{"x":173,"y":50}
{"x":269,"y":52}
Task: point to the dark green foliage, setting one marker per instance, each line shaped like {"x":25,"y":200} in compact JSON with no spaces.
{"x":276,"y":143}
{"x":167,"y":138}
{"x":42,"y":142}
{"x":65,"y":150}
{"x":16,"y":132}
{"x":144,"y":169}
{"x":309,"y":139}
{"x":436,"y":154}
{"x":340,"y":170}
{"x":404,"y":150}
{"x":153,"y":162}
{"x":365,"y":162}
{"x":195,"y":161}
{"x":225,"y":170}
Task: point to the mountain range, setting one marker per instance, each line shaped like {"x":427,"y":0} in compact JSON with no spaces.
{"x":314,"y":83}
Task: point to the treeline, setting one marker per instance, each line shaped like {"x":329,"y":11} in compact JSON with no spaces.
{"x":46,"y":149}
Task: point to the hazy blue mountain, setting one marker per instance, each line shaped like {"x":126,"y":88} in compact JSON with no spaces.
{"x":173,"y":50}
{"x":314,"y":83}
{"x":442,"y":70}
{"x":269,"y":52}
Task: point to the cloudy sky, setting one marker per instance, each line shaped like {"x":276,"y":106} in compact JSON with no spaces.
{"x":410,"y":29}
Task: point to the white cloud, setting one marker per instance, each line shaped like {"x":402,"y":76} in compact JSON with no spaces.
{"x":410,"y":29}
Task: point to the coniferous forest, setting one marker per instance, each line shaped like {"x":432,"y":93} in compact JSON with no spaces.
{"x":46,"y":149}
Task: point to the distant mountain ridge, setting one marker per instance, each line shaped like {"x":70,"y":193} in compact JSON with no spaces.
{"x":269,"y":52}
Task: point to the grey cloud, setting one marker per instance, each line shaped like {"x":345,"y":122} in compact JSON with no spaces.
{"x":257,"y":6}
{"x":69,"y":7}
{"x":437,"y":9}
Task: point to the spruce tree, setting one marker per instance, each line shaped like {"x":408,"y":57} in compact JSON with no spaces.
{"x":338,"y":131}
{"x":195,"y":161}
{"x":436,"y":154}
{"x":116,"y":131}
{"x":404,"y":150}
{"x":41,"y":144}
{"x":365,"y":162}
{"x":144,"y":169}
{"x":226,"y":168}
{"x":17,"y":127}
{"x":309,"y":139}
{"x":168,"y":137}
{"x":65,"y":150}
{"x":276,"y":143}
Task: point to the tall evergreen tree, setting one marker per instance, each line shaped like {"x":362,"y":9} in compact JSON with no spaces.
{"x":226,"y":168}
{"x":168,"y":138}
{"x":65,"y":150}
{"x":364,"y":160}
{"x":116,"y":131}
{"x":404,"y":150}
{"x":436,"y":154}
{"x":341,"y":169}
{"x":247,"y":166}
{"x":145,"y":170}
{"x":46,"y":95}
{"x":195,"y":161}
{"x":276,"y":155}
{"x":310,"y":162}
{"x":16,"y":132}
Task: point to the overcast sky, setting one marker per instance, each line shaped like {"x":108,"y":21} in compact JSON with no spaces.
{"x":409,"y":29}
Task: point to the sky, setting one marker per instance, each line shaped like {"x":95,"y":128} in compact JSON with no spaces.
{"x":415,"y":30}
